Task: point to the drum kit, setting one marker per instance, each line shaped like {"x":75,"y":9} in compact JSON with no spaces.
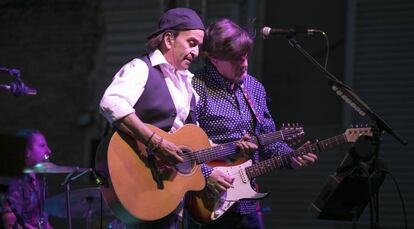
{"x":85,"y":203}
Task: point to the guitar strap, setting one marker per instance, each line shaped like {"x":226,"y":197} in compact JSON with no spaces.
{"x":250,"y":102}
{"x":253,"y":110}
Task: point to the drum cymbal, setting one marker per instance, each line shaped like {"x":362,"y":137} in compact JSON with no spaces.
{"x":82,"y":202}
{"x":49,"y":167}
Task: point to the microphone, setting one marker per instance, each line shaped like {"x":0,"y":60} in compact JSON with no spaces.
{"x":18,"y":88}
{"x":267,"y":32}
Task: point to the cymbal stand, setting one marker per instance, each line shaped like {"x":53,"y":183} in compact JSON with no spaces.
{"x":69,"y":178}
{"x":42,"y":201}
{"x":89,"y":201}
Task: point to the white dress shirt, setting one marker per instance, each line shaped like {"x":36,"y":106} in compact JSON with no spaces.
{"x":128,"y":85}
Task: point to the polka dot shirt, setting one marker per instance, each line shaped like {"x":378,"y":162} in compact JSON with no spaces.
{"x":225,"y":115}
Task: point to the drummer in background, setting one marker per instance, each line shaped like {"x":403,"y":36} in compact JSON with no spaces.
{"x":21,"y":205}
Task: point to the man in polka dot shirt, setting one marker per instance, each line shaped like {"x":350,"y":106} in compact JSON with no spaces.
{"x":231,"y":105}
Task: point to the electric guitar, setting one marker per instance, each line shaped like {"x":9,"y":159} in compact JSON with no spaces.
{"x":133,"y":191}
{"x":205,"y":208}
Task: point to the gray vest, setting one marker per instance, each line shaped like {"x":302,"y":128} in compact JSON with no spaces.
{"x":155,"y":106}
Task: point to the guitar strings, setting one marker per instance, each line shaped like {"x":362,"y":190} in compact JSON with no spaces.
{"x":226,"y":149}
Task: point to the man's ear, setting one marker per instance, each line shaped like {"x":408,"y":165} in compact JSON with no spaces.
{"x":169,"y":39}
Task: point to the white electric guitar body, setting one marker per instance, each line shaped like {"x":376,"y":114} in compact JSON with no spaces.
{"x":241,"y":189}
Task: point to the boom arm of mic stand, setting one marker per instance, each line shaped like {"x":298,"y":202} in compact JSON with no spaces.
{"x":348,"y":95}
{"x":11,"y":71}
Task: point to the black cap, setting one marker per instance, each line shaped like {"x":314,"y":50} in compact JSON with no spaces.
{"x":178,"y":19}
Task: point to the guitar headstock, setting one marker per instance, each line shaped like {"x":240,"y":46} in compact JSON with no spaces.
{"x":352,"y":134}
{"x":293,"y":133}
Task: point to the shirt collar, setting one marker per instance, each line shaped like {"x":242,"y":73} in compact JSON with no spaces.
{"x":156,"y":58}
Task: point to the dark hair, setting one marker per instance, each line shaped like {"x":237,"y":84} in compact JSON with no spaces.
{"x":28,"y":135}
{"x":226,"y":40}
{"x":155,"y":42}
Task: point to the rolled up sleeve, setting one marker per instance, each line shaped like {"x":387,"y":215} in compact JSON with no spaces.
{"x":123,"y":93}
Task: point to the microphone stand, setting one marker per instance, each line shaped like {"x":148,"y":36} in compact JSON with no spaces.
{"x":69,"y":178}
{"x":17,"y":84}
{"x":17,"y":87}
{"x":11,"y":71}
{"x":350,"y":97}
{"x":346,"y":93}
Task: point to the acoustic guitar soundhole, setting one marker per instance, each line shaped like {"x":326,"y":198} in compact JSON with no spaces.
{"x":187,"y":166}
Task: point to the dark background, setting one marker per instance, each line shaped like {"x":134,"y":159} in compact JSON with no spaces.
{"x":69,"y":51}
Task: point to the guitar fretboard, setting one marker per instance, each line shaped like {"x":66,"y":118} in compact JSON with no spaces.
{"x":282,"y":135}
{"x":283,"y":161}
{"x":222,"y":150}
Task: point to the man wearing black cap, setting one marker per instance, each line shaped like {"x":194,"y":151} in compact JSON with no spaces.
{"x":156,"y":89}
{"x":164,"y":75}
